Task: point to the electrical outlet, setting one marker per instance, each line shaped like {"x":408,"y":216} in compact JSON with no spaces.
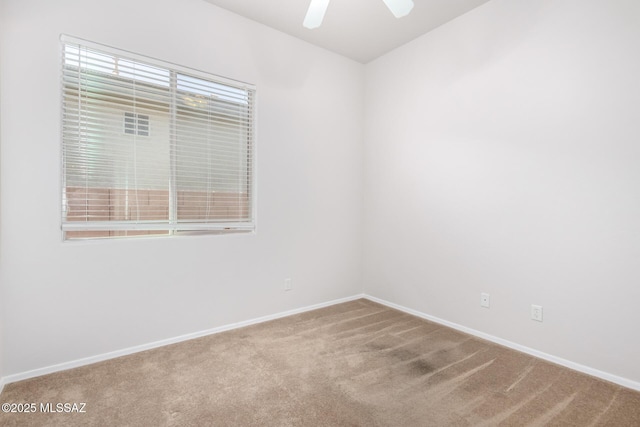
{"x":536,"y":312}
{"x":484,"y":300}
{"x":288,"y":284}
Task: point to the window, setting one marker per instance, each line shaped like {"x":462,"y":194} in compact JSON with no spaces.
{"x":152,"y":148}
{"x":136,"y":124}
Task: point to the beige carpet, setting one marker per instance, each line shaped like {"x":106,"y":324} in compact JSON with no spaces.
{"x":353,"y":364}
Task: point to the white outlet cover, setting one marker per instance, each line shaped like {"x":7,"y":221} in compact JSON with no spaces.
{"x":536,"y":312}
{"x":485,"y":300}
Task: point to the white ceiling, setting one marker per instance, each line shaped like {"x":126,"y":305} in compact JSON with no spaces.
{"x":359,"y":29}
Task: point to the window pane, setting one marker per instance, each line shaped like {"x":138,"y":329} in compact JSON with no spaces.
{"x":197,"y":86}
{"x":147,"y":150}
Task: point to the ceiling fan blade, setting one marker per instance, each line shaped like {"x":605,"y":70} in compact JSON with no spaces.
{"x":399,"y":8}
{"x":315,"y":13}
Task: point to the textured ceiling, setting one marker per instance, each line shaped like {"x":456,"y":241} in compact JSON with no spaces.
{"x":359,"y":29}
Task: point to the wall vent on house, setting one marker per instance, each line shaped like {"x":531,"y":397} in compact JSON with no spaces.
{"x":136,"y":124}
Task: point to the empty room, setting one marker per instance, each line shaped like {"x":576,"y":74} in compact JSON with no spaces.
{"x":319,"y":213}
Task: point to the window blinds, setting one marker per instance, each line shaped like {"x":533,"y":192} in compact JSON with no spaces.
{"x":152,"y":148}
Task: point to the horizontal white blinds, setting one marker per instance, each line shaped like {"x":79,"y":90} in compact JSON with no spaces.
{"x":152,"y":148}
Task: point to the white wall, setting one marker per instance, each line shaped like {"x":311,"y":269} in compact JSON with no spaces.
{"x":502,"y":156}
{"x":65,"y":301}
{"x":2,"y":25}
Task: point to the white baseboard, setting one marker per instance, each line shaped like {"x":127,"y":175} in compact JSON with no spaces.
{"x":541,"y":355}
{"x":118,"y":353}
{"x":111,"y":355}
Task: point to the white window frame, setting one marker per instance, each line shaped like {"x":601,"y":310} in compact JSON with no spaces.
{"x":173,"y":226}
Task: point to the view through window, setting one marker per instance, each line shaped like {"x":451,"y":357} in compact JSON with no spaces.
{"x":152,"y":148}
